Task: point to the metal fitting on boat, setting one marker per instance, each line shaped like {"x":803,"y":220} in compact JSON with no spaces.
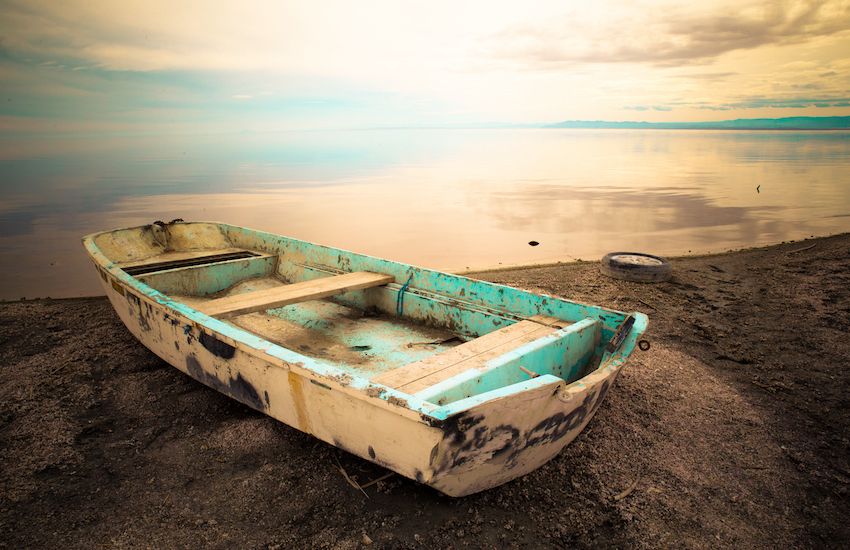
{"x":562,"y":394}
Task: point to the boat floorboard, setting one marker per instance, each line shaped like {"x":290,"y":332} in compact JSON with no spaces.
{"x":358,"y":342}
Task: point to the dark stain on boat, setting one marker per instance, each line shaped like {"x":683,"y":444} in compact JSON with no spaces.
{"x":187,"y":330}
{"x":372,"y":455}
{"x":320,"y":384}
{"x":431,"y":421}
{"x":116,"y":286}
{"x":558,"y":425}
{"x":146,"y":312}
{"x":393,"y":400}
{"x":238,"y":388}
{"x":138,"y":307}
{"x":216,"y":346}
{"x":468,"y":438}
{"x":434,"y":452}
{"x":475,"y":444}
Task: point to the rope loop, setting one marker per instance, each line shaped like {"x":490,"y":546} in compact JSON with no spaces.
{"x":399,"y":299}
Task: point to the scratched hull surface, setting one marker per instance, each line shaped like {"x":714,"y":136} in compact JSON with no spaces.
{"x":456,"y":383}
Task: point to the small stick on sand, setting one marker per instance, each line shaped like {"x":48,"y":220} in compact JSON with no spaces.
{"x":802,"y":249}
{"x":374,"y":481}
{"x":60,"y":367}
{"x":349,"y":480}
{"x":628,"y":491}
{"x":647,"y":304}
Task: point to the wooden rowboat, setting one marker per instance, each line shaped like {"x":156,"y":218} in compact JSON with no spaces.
{"x":456,"y":383}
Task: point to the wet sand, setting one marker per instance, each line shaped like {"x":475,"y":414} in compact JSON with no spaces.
{"x":732,"y":430}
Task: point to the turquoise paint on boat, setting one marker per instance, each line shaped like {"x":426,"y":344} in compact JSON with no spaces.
{"x":563,"y":354}
{"x":340,"y":367}
{"x":205,"y":281}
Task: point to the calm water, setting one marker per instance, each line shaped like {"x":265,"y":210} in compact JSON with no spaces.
{"x":445,"y":199}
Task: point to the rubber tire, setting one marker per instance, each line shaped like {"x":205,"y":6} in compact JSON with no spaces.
{"x":655,"y":270}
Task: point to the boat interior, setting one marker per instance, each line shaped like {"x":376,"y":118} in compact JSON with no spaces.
{"x":435,"y":336}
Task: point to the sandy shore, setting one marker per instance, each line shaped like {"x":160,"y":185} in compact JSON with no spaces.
{"x":732,"y":430}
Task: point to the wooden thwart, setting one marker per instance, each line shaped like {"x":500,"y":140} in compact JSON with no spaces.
{"x":316,"y":289}
{"x":417,"y":376}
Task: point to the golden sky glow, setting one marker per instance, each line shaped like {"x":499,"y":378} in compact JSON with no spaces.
{"x":102,"y":65}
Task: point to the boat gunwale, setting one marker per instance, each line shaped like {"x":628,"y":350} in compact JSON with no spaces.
{"x":332,"y":376}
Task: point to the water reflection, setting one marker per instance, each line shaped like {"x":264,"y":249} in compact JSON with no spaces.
{"x":448,"y":199}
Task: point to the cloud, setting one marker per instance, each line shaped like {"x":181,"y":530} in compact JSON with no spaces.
{"x":393,"y":63}
{"x":38,"y":98}
{"x":648,"y":107}
{"x":719,"y":75}
{"x":377,"y":38}
{"x":663,"y":35}
{"x":751,"y":102}
{"x":774,"y":103}
{"x":112,"y":35}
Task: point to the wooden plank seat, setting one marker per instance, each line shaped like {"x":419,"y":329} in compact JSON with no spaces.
{"x":417,"y":376}
{"x":261,"y":300}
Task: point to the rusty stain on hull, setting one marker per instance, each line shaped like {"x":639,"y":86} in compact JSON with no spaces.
{"x":298,"y":402}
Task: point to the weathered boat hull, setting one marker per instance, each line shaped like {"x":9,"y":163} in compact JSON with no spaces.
{"x":488,"y":440}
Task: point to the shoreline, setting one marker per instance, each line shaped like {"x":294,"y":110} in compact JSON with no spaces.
{"x":737,"y":415}
{"x":523,"y":266}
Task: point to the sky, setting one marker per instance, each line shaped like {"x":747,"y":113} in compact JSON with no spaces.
{"x":102,"y":67}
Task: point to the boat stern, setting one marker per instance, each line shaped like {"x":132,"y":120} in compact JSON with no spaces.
{"x":498,"y":441}
{"x":491,"y":439}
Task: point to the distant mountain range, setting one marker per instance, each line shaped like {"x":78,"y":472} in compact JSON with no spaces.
{"x":787,"y":123}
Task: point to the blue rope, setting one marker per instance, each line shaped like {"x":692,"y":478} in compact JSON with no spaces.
{"x":399,"y":299}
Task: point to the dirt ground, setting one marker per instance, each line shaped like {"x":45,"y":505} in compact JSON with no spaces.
{"x":732,"y":430}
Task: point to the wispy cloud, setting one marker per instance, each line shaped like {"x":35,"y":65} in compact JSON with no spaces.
{"x":58,"y":97}
{"x":648,"y":108}
{"x":343,"y":64}
{"x":753,"y":102}
{"x":780,"y":103}
{"x":663,"y":35}
{"x":715,"y":76}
